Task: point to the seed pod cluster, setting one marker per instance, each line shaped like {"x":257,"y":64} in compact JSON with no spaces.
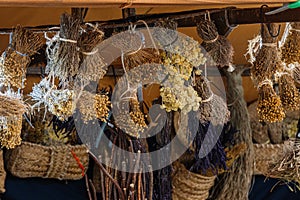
{"x":269,"y":105}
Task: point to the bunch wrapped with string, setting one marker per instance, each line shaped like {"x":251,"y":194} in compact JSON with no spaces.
{"x":265,"y":62}
{"x":288,"y":92}
{"x":269,"y":107}
{"x":11,"y":110}
{"x":94,"y":106}
{"x":63,"y":55}
{"x":290,"y":51}
{"x":217,"y":46}
{"x":57,"y":101}
{"x":92,"y":65}
{"x":212,"y":108}
{"x":16,"y":58}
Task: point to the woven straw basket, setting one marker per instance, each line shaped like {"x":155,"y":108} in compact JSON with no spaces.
{"x":268,"y":154}
{"x":59,"y":162}
{"x":190,"y":186}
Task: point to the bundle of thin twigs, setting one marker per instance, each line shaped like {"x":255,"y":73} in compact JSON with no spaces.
{"x":92,"y":64}
{"x":11,"y":110}
{"x":212,"y":108}
{"x":130,"y":183}
{"x":16,"y":58}
{"x":287,"y":168}
{"x":217,"y":46}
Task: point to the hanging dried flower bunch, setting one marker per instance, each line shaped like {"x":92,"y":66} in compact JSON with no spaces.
{"x":58,"y":102}
{"x":63,"y":56}
{"x":135,"y":125}
{"x":16,"y":58}
{"x":11,"y":110}
{"x":217,"y":46}
{"x":92,"y":67}
{"x":290,"y":51}
{"x":288,"y":92}
{"x":94,"y":107}
{"x":175,"y":95}
{"x":140,"y":57}
{"x":265,"y":65}
{"x":269,"y":105}
{"x":212,"y":108}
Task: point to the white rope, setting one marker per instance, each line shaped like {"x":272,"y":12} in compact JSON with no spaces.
{"x":285,"y":34}
{"x":253,"y":46}
{"x":213,"y":40}
{"x":274,"y":44}
{"x":265,"y":82}
{"x":89,"y":53}
{"x":68,"y":40}
{"x":208,"y":99}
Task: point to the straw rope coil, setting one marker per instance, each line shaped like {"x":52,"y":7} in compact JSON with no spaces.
{"x":59,"y":162}
{"x":190,"y":186}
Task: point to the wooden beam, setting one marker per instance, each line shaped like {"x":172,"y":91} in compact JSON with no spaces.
{"x":235,"y":16}
{"x":131,"y":3}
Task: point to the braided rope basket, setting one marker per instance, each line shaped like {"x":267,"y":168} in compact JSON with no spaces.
{"x":190,"y":186}
{"x":65,"y":162}
{"x":268,"y":154}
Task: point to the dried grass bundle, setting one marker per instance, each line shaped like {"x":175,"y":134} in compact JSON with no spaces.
{"x":11,"y":111}
{"x":16,"y":58}
{"x":212,"y":108}
{"x":165,"y":32}
{"x":289,"y":94}
{"x":143,"y":56}
{"x":92,"y":64}
{"x":63,"y":54}
{"x":269,"y":107}
{"x":290,"y":51}
{"x":267,"y":60}
{"x":218,"y":46}
{"x":287,"y":168}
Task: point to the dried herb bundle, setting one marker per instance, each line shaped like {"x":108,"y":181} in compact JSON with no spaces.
{"x":11,"y":111}
{"x":288,"y":92}
{"x":92,"y":67}
{"x":290,"y":51}
{"x":287,"y":168}
{"x":165,"y":32}
{"x":217,"y":46}
{"x":269,"y":107}
{"x":16,"y":58}
{"x":143,"y":56}
{"x":63,"y":55}
{"x":212,"y":108}
{"x":216,"y":158}
{"x":267,"y":60}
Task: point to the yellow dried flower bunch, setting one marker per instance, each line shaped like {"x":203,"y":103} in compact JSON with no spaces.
{"x":170,"y":102}
{"x":136,"y":114}
{"x":290,"y":51}
{"x":58,"y":101}
{"x":10,"y":132}
{"x":269,"y":105}
{"x":102,"y":106}
{"x":13,"y":69}
{"x":94,"y":106}
{"x":11,"y":110}
{"x":288,"y":92}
